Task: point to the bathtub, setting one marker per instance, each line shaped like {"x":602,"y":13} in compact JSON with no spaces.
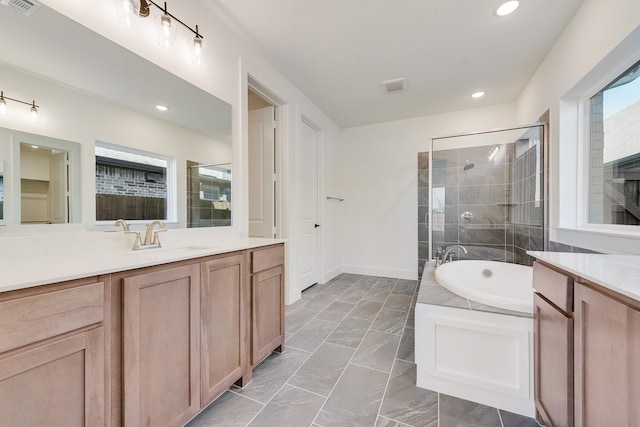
{"x":494,"y":283}
{"x":468,"y":350}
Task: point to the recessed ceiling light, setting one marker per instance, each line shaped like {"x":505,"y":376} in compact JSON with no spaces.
{"x":162,"y":107}
{"x":477,"y":94}
{"x":507,"y":8}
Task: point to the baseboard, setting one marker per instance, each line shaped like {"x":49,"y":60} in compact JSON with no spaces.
{"x":381,"y":272}
{"x":334,"y":272}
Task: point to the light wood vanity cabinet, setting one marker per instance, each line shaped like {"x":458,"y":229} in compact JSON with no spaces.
{"x":586,"y":352}
{"x":224,"y":325}
{"x":267,"y":302}
{"x":161,"y":346}
{"x":52,"y":357}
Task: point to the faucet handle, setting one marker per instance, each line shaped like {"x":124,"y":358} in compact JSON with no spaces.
{"x":156,"y":239}
{"x":137,"y":243}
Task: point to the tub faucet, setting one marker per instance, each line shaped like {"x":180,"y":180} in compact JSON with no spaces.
{"x":448,"y":253}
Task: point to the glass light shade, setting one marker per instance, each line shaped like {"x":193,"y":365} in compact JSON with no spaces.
{"x":128,"y":12}
{"x":34,"y":113}
{"x":167,"y":30}
{"x":198,"y":50}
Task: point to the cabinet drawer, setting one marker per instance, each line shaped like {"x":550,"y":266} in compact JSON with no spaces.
{"x":555,"y":286}
{"x":34,"y":318}
{"x":262,"y":259}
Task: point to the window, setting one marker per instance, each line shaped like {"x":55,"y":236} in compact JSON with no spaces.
{"x":614,"y":164}
{"x":131,"y":184}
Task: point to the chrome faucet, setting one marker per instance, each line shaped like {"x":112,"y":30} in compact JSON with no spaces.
{"x":448,"y":253}
{"x":151,"y":237}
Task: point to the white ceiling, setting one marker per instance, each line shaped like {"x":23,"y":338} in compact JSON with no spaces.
{"x":338,"y":52}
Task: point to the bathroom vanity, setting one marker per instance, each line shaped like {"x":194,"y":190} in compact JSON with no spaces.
{"x":586,"y":339}
{"x":152,"y":340}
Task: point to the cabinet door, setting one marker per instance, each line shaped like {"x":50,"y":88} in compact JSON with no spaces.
{"x":607,"y":335}
{"x":553,"y":358}
{"x":267,"y":313}
{"x":60,"y":383}
{"x":224,"y":327}
{"x":161,"y":346}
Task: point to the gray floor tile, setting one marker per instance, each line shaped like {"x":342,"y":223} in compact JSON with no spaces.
{"x":350,"y":332}
{"x":386,"y":422}
{"x":310,"y":336}
{"x":406,"y":351}
{"x":510,"y":419}
{"x":350,"y":279}
{"x":377,"y":351}
{"x":336,"y":311}
{"x":406,"y":287}
{"x":390,"y":321}
{"x":321,"y":371}
{"x":291,"y":407}
{"x":407,"y":403}
{"x":398,"y":302}
{"x":288,"y":309}
{"x":456,"y":412}
{"x":353,"y":295}
{"x":387,"y":283}
{"x":296,"y":320}
{"x":368,"y":281}
{"x":271,"y":374}
{"x":319,"y":302}
{"x":355,"y":399}
{"x":411,"y":318}
{"x":335,"y":290}
{"x":377,"y":294}
{"x":367,"y":310}
{"x":229,"y":410}
{"x":311,"y":292}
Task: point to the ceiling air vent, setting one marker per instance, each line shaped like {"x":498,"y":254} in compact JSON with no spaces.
{"x":26,"y":7}
{"x":395,"y":85}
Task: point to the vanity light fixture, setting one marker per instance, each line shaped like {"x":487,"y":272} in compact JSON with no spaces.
{"x":3,"y":106}
{"x":167,"y":29}
{"x":479,"y":94}
{"x":162,"y":107}
{"x":507,"y":8}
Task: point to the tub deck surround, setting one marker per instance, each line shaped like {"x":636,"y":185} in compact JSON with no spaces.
{"x":28,"y":261}
{"x":619,"y":273}
{"x":473,"y":351}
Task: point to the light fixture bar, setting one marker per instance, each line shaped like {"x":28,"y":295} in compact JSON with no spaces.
{"x":31,"y":104}
{"x":144,"y":12}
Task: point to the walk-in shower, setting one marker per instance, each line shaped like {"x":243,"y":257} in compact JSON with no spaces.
{"x":485,"y":191}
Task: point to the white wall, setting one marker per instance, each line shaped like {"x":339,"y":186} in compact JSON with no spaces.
{"x":380,"y":186}
{"x":600,"y":42}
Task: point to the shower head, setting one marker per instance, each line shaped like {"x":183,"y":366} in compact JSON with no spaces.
{"x":468,"y":165}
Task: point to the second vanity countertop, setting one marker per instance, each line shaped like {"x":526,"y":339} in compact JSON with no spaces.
{"x":40,"y":270}
{"x":620,"y":273}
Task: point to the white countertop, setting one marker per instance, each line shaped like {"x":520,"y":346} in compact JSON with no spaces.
{"x":620,"y":273}
{"x":26,"y":272}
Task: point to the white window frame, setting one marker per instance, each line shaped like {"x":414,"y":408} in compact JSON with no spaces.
{"x":172,"y":181}
{"x":570,"y":223}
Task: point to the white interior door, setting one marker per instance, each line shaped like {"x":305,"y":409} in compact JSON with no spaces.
{"x":261,"y":172}
{"x":308,"y":197}
{"x":59,"y":188}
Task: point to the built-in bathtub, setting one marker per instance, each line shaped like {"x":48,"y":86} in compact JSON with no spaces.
{"x":474,"y":333}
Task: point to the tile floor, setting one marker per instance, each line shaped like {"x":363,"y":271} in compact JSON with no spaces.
{"x":348,"y":361}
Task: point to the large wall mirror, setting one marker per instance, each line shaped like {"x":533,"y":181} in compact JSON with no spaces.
{"x":100,"y":148}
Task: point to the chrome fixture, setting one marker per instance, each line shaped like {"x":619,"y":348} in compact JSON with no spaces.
{"x":3,"y":106}
{"x":448,"y":253}
{"x":467,"y":216}
{"x":468,"y":165}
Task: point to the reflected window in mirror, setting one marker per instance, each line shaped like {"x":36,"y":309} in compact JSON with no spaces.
{"x":132,"y":184}
{"x":208,"y":195}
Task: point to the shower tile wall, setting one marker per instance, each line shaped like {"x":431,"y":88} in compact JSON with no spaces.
{"x":499,"y":193}
{"x":475,"y":212}
{"x":423,"y":210}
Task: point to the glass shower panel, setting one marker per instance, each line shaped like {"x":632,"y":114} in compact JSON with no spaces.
{"x":487,"y":194}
